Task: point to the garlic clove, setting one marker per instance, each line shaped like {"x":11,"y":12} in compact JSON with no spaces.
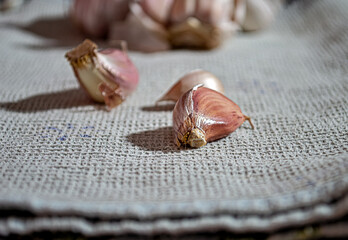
{"x":238,"y":11}
{"x":132,"y":30}
{"x":93,"y":17}
{"x":146,"y":20}
{"x":181,"y":10}
{"x":193,"y":33}
{"x":203,"y":8}
{"x":189,"y":80}
{"x":108,"y":75}
{"x":203,"y":115}
{"x":215,"y":18}
{"x":158,"y":10}
{"x":260,"y":13}
{"x":213,"y":12}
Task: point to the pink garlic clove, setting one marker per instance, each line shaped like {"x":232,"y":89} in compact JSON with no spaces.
{"x":189,"y":80}
{"x":94,"y":17}
{"x":181,"y":10}
{"x":203,"y":115}
{"x":108,"y":75}
{"x":147,"y":21}
{"x":158,"y":10}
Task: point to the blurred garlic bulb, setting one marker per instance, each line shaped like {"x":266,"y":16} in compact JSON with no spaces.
{"x":187,"y":23}
{"x":189,"y":80}
{"x":107,"y":75}
{"x":163,"y":24}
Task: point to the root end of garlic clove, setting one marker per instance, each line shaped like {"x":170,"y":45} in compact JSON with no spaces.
{"x":196,"y":138}
{"x":193,"y":33}
{"x":79,"y":55}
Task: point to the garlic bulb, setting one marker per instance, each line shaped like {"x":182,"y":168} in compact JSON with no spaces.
{"x":189,"y":80}
{"x":107,"y":75}
{"x":203,"y":115}
{"x":164,"y":24}
{"x":187,"y":23}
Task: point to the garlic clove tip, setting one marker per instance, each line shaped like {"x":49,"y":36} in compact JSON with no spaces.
{"x":246,"y":118}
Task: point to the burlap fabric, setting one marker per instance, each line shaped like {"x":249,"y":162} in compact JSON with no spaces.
{"x":68,"y":165}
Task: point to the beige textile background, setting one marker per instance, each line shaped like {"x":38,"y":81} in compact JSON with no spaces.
{"x":76,"y":167}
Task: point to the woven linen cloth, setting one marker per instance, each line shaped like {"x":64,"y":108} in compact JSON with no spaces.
{"x":66,"y":164}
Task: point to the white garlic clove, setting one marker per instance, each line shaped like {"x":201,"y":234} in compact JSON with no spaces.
{"x":132,"y":30}
{"x":260,"y":13}
{"x":141,"y":31}
{"x":189,"y":80}
{"x":107,"y":76}
{"x":213,"y":12}
{"x":238,"y":11}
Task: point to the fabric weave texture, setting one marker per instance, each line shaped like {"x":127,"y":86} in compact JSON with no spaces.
{"x":76,"y":167}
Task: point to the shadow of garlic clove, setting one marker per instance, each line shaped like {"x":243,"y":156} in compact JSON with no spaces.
{"x":108,"y":75}
{"x":203,"y":115}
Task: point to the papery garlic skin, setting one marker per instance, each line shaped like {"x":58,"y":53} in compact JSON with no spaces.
{"x":203,"y":115}
{"x":191,"y":79}
{"x":107,"y":76}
